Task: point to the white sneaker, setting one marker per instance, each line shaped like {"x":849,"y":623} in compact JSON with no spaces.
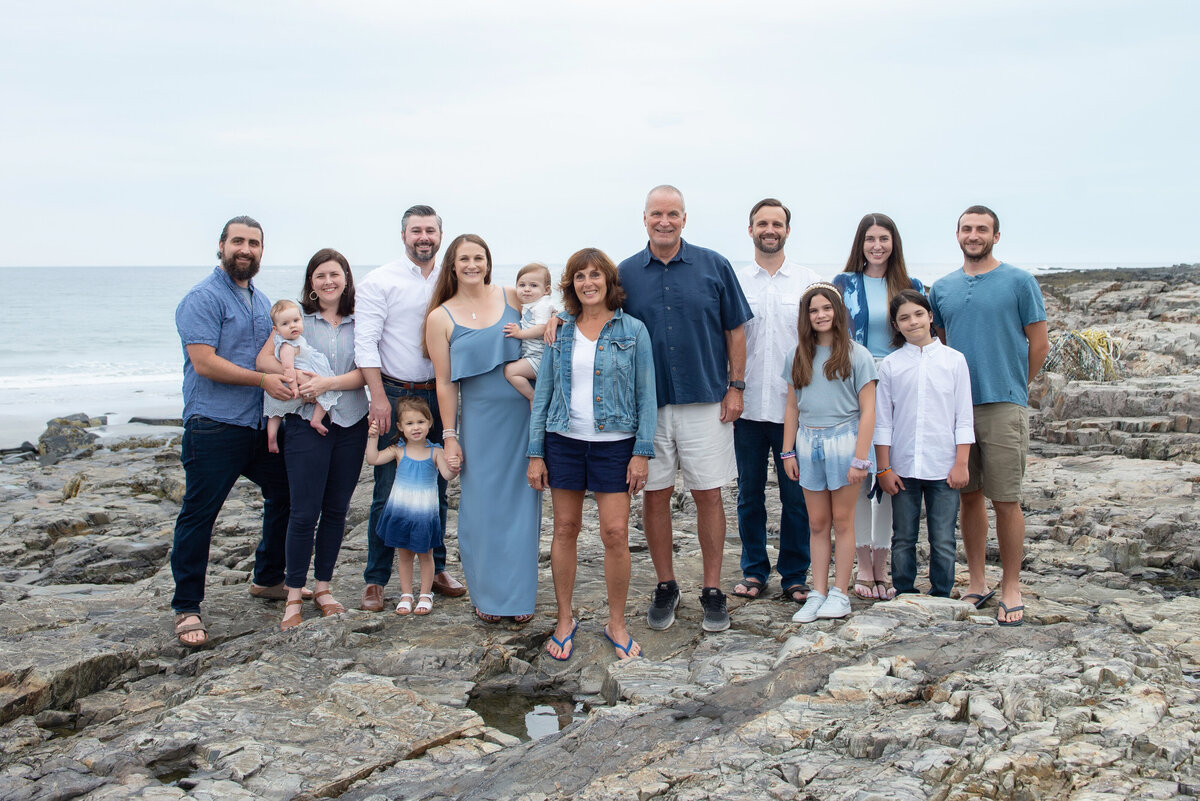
{"x":836,"y":605}
{"x":808,"y":612}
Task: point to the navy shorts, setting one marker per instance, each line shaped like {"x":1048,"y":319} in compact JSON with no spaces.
{"x":577,"y":464}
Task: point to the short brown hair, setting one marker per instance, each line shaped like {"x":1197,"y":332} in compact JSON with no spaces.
{"x":982,"y":210}
{"x":533,"y":267}
{"x":772,"y":202}
{"x":581,"y":260}
{"x":280,"y":305}
{"x":412,"y":403}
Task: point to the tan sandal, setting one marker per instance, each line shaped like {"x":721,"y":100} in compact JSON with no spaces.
{"x":291,"y":619}
{"x":425,"y":605}
{"x":328,"y":608}
{"x":405,"y":607}
{"x":182,"y":628}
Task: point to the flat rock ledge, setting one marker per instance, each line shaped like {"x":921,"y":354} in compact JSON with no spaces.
{"x":1096,"y":698}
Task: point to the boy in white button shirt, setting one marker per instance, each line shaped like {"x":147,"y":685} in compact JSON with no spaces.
{"x":924,"y":428}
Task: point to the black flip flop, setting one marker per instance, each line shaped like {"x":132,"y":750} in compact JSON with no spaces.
{"x":787,"y":594}
{"x":1008,"y":610}
{"x":980,"y":599}
{"x":753,"y":584}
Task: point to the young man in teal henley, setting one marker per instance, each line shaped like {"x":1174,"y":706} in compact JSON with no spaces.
{"x":992,"y":312}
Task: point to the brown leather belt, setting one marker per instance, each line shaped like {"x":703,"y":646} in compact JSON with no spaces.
{"x":410,"y":385}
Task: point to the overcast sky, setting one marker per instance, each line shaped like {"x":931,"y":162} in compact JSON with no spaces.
{"x":133,"y":130}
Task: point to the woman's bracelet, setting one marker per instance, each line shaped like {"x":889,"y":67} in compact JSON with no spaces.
{"x":449,"y":432}
{"x":884,"y":470}
{"x":860,"y":464}
{"x":788,"y":455}
{"x":262,"y":381}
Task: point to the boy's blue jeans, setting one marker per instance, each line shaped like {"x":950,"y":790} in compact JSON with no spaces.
{"x":941,"y":511}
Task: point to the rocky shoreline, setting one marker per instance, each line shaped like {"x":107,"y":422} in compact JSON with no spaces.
{"x":1097,"y":697}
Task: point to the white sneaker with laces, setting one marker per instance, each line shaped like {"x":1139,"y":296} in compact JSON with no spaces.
{"x":835,"y":606}
{"x":808,"y":612}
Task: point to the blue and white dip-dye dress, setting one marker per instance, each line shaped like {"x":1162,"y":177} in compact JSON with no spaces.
{"x":410,"y":517}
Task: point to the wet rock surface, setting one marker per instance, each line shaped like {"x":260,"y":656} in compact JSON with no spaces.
{"x":1096,"y":697}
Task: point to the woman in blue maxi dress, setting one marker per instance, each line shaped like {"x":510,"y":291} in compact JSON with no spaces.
{"x":499,"y":516}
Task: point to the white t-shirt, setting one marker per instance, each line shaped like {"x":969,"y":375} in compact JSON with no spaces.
{"x":582,"y":423}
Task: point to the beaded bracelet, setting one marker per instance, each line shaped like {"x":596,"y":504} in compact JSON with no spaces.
{"x":449,"y":432}
{"x":788,"y":455}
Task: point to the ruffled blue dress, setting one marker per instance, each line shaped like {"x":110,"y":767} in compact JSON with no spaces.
{"x":499,"y":516}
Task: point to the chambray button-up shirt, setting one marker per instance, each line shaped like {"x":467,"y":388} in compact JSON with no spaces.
{"x":214,"y":312}
{"x":337,"y":343}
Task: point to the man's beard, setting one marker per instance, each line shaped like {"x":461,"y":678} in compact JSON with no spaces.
{"x":238,"y":272}
{"x":770,"y":248}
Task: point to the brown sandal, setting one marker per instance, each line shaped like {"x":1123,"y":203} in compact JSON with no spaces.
{"x":182,"y":628}
{"x":328,"y":608}
{"x":292,"y":619}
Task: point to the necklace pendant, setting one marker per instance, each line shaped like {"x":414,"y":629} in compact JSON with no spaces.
{"x":473,"y":317}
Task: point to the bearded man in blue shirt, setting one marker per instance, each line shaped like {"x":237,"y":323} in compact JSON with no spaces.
{"x":223,"y":322}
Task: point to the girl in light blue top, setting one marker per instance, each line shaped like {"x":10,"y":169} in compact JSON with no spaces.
{"x":874,"y":274}
{"x":827,"y":429}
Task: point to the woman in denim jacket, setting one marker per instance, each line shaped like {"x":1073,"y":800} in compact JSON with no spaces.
{"x":594,"y":416}
{"x":875,"y":273}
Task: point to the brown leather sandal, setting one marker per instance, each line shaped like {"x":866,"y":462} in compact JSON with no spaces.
{"x":182,"y":628}
{"x":329,"y":607}
{"x":291,"y":619}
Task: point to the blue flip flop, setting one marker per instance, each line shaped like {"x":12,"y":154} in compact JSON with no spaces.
{"x":570,"y":638}
{"x":1008,"y":610}
{"x":618,"y":646}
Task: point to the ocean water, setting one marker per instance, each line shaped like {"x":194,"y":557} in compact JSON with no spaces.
{"x":102,"y":340}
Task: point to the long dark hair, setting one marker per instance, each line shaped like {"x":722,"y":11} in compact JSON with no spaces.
{"x":346,"y":301}
{"x":895,"y":274}
{"x":447,"y":283}
{"x":906,"y":296}
{"x":838,"y":365}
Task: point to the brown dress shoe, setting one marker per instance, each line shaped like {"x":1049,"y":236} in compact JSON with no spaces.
{"x":276,"y":592}
{"x":445,"y":584}
{"x":372,"y":600}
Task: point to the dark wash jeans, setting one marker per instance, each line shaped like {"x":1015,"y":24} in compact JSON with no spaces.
{"x":379,"y":556}
{"x":214,"y":455}
{"x":753,"y":442}
{"x":941,"y":511}
{"x":322,"y":473}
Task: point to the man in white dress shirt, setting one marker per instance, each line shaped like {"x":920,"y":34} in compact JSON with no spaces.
{"x":388,"y":316}
{"x":773,"y":286}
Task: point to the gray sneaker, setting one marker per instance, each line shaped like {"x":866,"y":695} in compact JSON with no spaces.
{"x":716,"y":615}
{"x":662,"y":606}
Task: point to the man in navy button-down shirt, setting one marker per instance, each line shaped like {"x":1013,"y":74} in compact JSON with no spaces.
{"x":223,"y":321}
{"x":691,"y":302}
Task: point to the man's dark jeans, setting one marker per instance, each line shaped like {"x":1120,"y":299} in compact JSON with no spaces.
{"x":753,"y":442}
{"x":379,"y":556}
{"x":214,"y":455}
{"x":941,"y":510}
